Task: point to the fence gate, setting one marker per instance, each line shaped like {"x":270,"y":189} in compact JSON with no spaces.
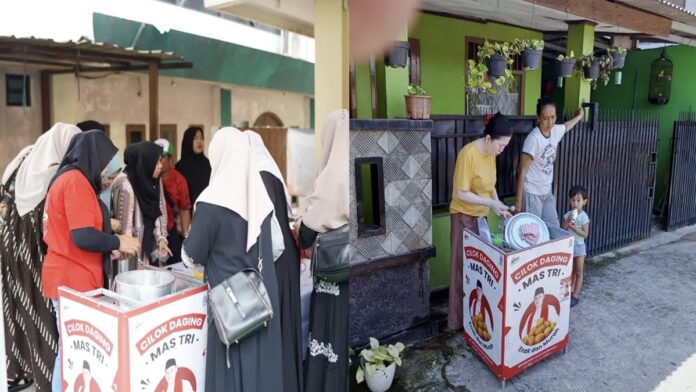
{"x":614,"y":158}
{"x":682,"y":191}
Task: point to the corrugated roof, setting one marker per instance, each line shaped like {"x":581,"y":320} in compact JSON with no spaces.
{"x":84,"y":52}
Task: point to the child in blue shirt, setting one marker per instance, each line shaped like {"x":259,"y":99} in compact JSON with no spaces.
{"x":578,"y":222}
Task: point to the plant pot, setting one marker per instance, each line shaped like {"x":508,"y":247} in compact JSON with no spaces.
{"x":496,"y":66}
{"x":565,"y":67}
{"x":618,"y":60}
{"x":398,"y":55}
{"x":591,"y":72}
{"x":382,"y":380}
{"x":418,"y":107}
{"x":531,"y":59}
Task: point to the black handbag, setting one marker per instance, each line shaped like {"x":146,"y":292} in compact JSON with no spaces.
{"x":240,"y":305}
{"x":331,"y":258}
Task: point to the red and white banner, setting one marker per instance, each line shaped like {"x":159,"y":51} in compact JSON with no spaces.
{"x":516,"y":305}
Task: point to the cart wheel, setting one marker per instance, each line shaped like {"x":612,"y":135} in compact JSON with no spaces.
{"x":502,"y":384}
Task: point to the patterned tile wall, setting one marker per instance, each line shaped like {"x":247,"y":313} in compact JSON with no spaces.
{"x":407,"y":192}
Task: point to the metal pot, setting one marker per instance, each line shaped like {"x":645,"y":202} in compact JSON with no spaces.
{"x":121,"y":266}
{"x":144,"y":285}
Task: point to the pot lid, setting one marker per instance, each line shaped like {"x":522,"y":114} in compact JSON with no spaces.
{"x":525,"y":230}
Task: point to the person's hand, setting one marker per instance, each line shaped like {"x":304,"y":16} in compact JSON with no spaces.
{"x":500,"y":209}
{"x":580,"y":112}
{"x":164,"y":249}
{"x":128,"y":245}
{"x":115,"y":225}
{"x":116,"y":255}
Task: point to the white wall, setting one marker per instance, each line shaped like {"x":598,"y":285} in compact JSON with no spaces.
{"x":18,"y":127}
{"x":114,"y":100}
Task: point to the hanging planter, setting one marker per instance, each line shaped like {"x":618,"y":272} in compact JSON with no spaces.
{"x":496,"y":66}
{"x":618,"y":57}
{"x":565,"y":65}
{"x":591,"y":72}
{"x":397,"y":57}
{"x":530,"y":51}
{"x":531,"y":59}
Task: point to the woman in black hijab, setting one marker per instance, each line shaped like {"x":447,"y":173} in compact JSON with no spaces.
{"x":194,"y":166}
{"x":78,"y":234}
{"x":139,"y":199}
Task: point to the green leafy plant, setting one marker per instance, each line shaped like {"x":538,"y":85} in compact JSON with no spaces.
{"x":617,"y":49}
{"x":528,"y":44}
{"x":571,"y":56}
{"x":378,"y":357}
{"x":588,"y":60}
{"x":416,"y":90}
{"x":478,"y":71}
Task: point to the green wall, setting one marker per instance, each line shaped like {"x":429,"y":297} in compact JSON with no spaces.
{"x":682,"y":99}
{"x":225,"y":107}
{"x":213,"y":60}
{"x":442,"y":57}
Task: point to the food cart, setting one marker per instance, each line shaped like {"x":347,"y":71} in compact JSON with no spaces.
{"x":517,"y":302}
{"x":114,"y":343}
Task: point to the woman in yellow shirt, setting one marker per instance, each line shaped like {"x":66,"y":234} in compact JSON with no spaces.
{"x":473,"y":195}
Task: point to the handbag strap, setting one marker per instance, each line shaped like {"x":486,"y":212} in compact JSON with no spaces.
{"x":260,"y":265}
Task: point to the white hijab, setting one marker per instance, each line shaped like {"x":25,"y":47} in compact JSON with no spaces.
{"x":41,"y":164}
{"x":264,"y":162}
{"x":15,"y":163}
{"x":235,"y":182}
{"x":327,"y":203}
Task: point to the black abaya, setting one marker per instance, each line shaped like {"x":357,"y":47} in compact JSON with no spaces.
{"x":326,"y":368}
{"x":288,"y":273}
{"x":217,"y":240}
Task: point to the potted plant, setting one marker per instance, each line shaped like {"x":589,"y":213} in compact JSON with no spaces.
{"x":497,"y":58}
{"x":565,"y":65}
{"x":530,"y":51}
{"x":378,"y":365}
{"x":398,"y":55}
{"x":417,"y":103}
{"x":618,"y":56}
{"x":593,"y":68}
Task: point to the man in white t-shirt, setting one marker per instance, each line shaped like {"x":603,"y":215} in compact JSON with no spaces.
{"x":535,"y":179}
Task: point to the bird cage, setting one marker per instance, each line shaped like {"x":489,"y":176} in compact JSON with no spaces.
{"x":660,"y":80}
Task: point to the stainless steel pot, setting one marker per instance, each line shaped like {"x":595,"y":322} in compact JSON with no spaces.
{"x":144,"y":285}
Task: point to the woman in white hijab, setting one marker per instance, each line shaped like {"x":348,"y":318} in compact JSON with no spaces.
{"x":231,"y":216}
{"x":326,"y":211}
{"x":30,"y":326}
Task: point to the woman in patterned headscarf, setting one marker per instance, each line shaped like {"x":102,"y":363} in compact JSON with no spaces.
{"x":31,"y":338}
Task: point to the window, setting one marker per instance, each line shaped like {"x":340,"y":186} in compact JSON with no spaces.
{"x":18,"y":91}
{"x":510,"y":103}
{"x":168,"y":131}
{"x":369,"y":189}
{"x":135,"y":133}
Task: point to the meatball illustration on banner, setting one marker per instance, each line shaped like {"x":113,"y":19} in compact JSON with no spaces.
{"x":84,"y":382}
{"x":176,"y":379}
{"x":478,"y":308}
{"x":535,"y":319}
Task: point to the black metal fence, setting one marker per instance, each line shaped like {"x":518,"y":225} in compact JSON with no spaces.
{"x":615,"y":159}
{"x":613,"y":156}
{"x":451,"y":133}
{"x":682,"y":191}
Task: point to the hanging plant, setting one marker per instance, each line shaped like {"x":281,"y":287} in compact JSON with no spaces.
{"x":565,"y":64}
{"x":618,"y":56}
{"x":530,"y":51}
{"x":594,"y":68}
{"x":493,"y":67}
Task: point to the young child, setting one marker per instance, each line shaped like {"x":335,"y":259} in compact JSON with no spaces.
{"x":578,"y":222}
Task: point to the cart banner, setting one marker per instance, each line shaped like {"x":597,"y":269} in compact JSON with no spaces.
{"x":167,"y":345}
{"x":483,"y":297}
{"x":89,"y":347}
{"x":537,"y":304}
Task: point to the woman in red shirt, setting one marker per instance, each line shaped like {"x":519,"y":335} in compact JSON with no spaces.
{"x":76,"y":224}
